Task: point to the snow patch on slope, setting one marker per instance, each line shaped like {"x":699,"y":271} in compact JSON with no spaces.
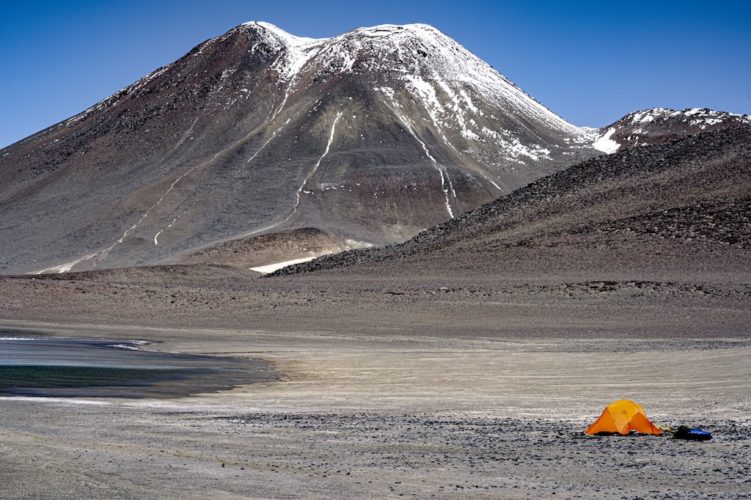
{"x":270,"y":268}
{"x":605,"y":143}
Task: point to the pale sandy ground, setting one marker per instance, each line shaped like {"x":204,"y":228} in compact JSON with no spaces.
{"x":390,"y":415}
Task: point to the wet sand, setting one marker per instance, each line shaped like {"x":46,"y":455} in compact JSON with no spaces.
{"x":46,"y":366}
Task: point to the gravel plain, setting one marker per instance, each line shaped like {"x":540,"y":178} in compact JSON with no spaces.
{"x":369,"y":414}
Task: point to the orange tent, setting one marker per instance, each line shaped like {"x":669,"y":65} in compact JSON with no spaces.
{"x":622,"y":417}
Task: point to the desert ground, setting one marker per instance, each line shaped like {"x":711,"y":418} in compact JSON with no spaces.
{"x":451,"y":386}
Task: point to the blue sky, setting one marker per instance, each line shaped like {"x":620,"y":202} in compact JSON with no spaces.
{"x":591,"y":62}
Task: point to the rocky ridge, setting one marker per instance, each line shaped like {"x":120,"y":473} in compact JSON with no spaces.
{"x":660,"y":125}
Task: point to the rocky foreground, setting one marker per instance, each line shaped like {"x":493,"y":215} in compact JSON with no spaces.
{"x":366,"y":455}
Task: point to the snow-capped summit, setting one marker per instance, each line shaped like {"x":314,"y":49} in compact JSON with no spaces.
{"x":430,"y":63}
{"x":659,"y":125}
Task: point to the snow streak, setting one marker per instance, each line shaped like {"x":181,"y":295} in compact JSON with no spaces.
{"x":440,"y":168}
{"x":67,"y":266}
{"x":315,"y":168}
{"x":302,"y":186}
{"x":156,"y":236}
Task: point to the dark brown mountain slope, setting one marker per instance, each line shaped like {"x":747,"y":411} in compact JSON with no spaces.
{"x":672,"y":209}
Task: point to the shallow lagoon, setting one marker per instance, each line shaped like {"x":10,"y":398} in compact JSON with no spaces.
{"x":32,"y":365}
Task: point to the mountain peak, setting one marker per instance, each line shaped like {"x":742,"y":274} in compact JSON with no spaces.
{"x":377,"y":30}
{"x":390,"y":34}
{"x":281,"y":35}
{"x":391,"y":29}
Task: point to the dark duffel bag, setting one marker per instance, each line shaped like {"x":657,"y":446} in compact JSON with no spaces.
{"x":694,"y":434}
